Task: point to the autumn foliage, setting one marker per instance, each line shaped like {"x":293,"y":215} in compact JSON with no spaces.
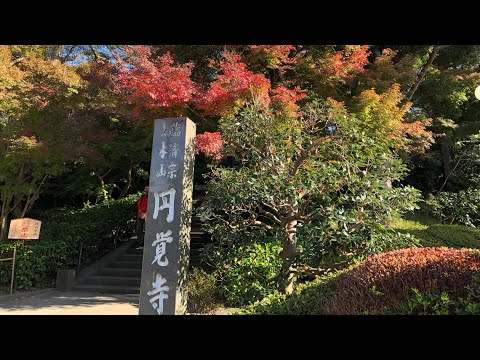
{"x":274,"y":56}
{"x":385,"y":114}
{"x":211,"y":144}
{"x":285,"y":101}
{"x":233,"y":86}
{"x":154,"y":83}
{"x":339,"y":66}
{"x":386,"y":280}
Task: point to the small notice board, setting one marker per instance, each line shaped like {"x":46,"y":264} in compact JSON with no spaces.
{"x":24,"y":229}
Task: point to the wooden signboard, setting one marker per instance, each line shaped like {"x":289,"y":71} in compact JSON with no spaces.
{"x":24,"y":229}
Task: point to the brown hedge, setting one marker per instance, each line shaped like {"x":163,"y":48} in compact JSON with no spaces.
{"x":385,"y":280}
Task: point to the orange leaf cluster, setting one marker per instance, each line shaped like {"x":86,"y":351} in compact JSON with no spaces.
{"x":233,"y":86}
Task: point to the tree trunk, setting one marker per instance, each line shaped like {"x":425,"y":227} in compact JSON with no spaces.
{"x":85,"y":201}
{"x":289,"y":253}
{"x":446,"y":158}
{"x":17,"y":211}
{"x":127,"y":185}
{"x":6,"y":201}
{"x":102,"y":185}
{"x":3,"y":224}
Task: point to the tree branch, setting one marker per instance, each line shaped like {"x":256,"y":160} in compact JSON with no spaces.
{"x":262,"y":224}
{"x":305,"y":153}
{"x":31,"y":200}
{"x":454,"y":168}
{"x":94,"y":52}
{"x":270,"y":215}
{"x":429,"y":62}
{"x":16,"y":61}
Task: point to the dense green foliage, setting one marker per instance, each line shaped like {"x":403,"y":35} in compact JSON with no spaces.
{"x":301,"y":181}
{"x":202,"y":292}
{"x":307,"y":299}
{"x":97,"y":228}
{"x":462,"y":207}
{"x":246,"y":272}
{"x":322,"y":145}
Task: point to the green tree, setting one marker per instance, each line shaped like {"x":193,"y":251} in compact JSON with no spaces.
{"x":33,"y":92}
{"x":321,"y":174}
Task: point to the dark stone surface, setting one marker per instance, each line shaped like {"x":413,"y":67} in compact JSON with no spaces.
{"x":65,"y":279}
{"x":167,"y":231}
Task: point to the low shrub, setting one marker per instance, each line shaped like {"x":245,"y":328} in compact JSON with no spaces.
{"x":97,"y":228}
{"x":307,"y":299}
{"x":385,"y":281}
{"x":456,"y":208}
{"x":247,"y":272}
{"x":201,"y":291}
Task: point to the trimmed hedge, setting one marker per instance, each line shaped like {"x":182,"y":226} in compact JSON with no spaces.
{"x":97,"y":228}
{"x":385,"y":281}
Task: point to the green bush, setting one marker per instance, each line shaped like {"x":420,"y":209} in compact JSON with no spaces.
{"x":307,"y":299}
{"x":331,"y":246}
{"x":456,"y":208}
{"x":201,"y":291}
{"x":247,"y":272}
{"x":98,"y":228}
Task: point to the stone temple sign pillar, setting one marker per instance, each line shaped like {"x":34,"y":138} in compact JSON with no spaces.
{"x":167,"y":228}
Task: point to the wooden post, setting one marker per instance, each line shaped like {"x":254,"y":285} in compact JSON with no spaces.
{"x":79,"y":258}
{"x":13,"y":269}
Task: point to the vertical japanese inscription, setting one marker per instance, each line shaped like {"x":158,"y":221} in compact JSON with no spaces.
{"x":167,"y":233}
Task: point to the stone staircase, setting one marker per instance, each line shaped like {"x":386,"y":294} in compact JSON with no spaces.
{"x":120,"y":271}
{"x":198,"y":239}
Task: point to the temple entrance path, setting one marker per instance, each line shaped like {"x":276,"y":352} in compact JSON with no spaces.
{"x":72,"y":303}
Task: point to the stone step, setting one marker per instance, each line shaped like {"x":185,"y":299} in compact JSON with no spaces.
{"x":134,"y":251}
{"x":113,"y":280}
{"x":113,"y":289}
{"x":123,"y":272}
{"x":194,"y":261}
{"x":195,"y":245}
{"x":126,"y":264}
{"x":131,"y":257}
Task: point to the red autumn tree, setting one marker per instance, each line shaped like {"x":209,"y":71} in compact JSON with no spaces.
{"x":154,"y":83}
{"x":284,"y":100}
{"x":233,"y":86}
{"x":211,"y":144}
